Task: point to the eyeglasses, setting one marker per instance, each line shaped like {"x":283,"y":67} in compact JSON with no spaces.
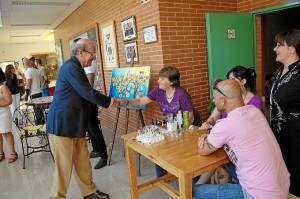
{"x":217,"y":89}
{"x":92,"y":54}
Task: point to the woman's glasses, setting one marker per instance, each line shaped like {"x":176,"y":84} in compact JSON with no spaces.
{"x":217,"y":89}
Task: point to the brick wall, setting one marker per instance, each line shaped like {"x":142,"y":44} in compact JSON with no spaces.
{"x":181,"y":41}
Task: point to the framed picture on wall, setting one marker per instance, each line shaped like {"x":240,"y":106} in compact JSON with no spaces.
{"x":109,"y":45}
{"x":59,"y":53}
{"x":131,"y":52}
{"x":150,"y":34}
{"x":92,"y":33}
{"x":128,"y":28}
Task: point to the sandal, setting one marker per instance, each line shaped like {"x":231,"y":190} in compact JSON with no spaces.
{"x":13,"y":157}
{"x":2,"y":157}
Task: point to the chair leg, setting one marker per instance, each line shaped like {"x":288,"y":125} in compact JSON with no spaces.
{"x":23,"y":153}
{"x":27,"y":151}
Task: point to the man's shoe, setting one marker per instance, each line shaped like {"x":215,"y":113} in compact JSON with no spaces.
{"x":97,"y":195}
{"x":94,"y":154}
{"x":101,"y":163}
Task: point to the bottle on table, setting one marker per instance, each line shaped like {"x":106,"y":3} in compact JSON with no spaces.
{"x":186,"y":119}
{"x":179,"y":119}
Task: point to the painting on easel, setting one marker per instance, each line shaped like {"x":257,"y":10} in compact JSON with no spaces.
{"x":130,"y":83}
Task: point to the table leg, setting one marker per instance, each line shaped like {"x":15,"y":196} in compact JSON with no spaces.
{"x":185,"y":186}
{"x":132,"y":172}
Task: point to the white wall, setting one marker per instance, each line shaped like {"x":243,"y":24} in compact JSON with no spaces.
{"x":16,"y":52}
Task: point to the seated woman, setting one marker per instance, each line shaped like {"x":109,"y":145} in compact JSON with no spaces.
{"x":170,"y":96}
{"x":246,"y":78}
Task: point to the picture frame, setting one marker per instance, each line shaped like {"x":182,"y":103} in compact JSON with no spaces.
{"x":128,"y":28}
{"x":109,"y":45}
{"x":129,"y":47}
{"x":92,"y":33}
{"x":150,"y":34}
{"x":59,"y":54}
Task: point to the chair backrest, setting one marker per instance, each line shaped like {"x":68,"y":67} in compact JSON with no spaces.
{"x":27,"y":121}
{"x":197,"y":118}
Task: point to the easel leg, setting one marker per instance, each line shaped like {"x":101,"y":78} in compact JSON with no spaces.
{"x":111,"y":145}
{"x":126,"y":124}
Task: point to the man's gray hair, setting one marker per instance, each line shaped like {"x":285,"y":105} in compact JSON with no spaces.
{"x":77,"y":46}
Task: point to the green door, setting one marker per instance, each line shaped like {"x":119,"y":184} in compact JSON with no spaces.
{"x":230,"y":40}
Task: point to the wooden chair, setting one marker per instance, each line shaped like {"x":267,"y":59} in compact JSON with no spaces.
{"x":32,"y":133}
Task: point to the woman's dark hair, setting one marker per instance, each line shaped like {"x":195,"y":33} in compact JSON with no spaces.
{"x":241,"y":72}
{"x":8,"y":70}
{"x":291,"y":38}
{"x":38,"y":61}
{"x":2,"y":76}
{"x":172,"y":73}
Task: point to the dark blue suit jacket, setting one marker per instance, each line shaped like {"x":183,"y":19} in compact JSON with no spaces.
{"x":68,"y":114}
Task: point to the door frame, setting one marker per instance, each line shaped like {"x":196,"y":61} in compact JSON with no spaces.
{"x":261,"y":63}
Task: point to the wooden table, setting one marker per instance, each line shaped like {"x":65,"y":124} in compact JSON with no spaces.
{"x":179,"y":156}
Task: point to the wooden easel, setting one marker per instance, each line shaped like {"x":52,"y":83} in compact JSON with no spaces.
{"x":139,"y":118}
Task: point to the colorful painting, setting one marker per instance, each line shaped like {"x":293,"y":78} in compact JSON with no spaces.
{"x":130,"y":83}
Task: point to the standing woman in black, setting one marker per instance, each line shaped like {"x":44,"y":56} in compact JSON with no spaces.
{"x":285,"y":103}
{"x":12,"y":84}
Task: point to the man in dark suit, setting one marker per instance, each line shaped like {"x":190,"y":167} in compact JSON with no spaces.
{"x":67,"y":123}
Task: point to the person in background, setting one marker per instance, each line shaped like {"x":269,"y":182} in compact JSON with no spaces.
{"x":285,"y":103}
{"x":32,"y":62}
{"x":21,"y":79}
{"x":44,"y":78}
{"x":170,"y":96}
{"x":94,"y":126}
{"x":246,"y":79}
{"x":72,"y":95}
{"x":12,"y":84}
{"x":6,"y":121}
{"x":33,"y":80}
{"x":258,"y":166}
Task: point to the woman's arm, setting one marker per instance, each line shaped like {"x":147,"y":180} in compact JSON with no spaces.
{"x":139,"y":102}
{"x":7,"y":99}
{"x":215,"y":115}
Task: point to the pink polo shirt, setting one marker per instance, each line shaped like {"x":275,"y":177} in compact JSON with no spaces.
{"x":251,"y":146}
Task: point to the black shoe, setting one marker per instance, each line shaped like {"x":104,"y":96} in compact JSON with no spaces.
{"x":102,"y":163}
{"x":94,"y":154}
{"x":97,"y":195}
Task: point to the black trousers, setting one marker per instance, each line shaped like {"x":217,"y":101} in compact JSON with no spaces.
{"x":95,"y":132}
{"x":38,"y":111}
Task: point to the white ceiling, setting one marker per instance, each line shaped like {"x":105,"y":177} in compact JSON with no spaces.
{"x":29,"y":21}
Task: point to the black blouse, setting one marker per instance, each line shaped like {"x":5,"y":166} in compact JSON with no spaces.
{"x":285,"y":102}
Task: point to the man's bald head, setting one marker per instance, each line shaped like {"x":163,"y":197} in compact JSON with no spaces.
{"x":228,"y":95}
{"x":231,"y":89}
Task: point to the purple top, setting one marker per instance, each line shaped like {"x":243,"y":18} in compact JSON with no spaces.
{"x":181,"y":100}
{"x":255,"y":101}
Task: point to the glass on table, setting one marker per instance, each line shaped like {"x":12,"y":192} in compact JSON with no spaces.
{"x":169,"y":118}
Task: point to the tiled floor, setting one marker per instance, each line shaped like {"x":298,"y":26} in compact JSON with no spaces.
{"x":35,"y":181}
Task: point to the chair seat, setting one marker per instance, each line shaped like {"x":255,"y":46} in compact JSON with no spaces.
{"x":32,"y":130}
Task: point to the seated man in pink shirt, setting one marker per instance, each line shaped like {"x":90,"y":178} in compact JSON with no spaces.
{"x":257,"y":163}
